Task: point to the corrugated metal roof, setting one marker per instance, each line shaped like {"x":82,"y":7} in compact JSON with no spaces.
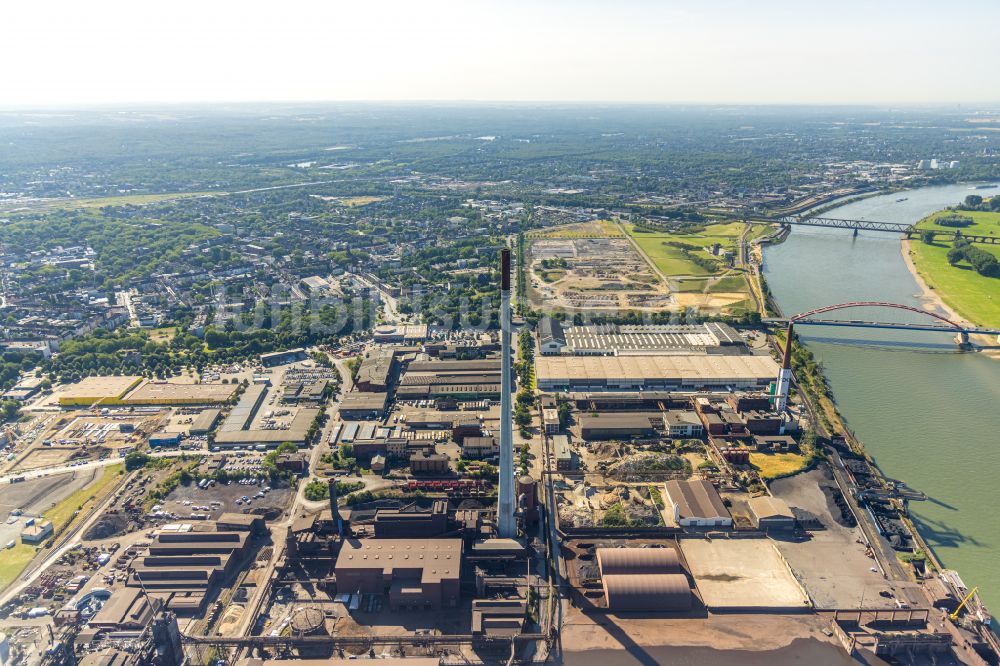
{"x":622,"y":561}
{"x":662,"y":592}
{"x":696,"y":499}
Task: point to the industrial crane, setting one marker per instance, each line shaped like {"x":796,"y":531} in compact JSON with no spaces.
{"x":954,"y":616}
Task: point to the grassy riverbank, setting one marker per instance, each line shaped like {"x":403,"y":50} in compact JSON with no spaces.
{"x":974,"y":297}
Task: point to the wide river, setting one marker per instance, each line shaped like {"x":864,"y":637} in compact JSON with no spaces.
{"x":927,"y":413}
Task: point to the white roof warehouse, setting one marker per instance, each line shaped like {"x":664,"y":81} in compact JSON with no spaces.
{"x":632,"y":373}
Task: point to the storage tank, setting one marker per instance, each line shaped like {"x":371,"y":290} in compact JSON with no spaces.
{"x":308,"y":621}
{"x":527,"y":494}
{"x":311,"y":621}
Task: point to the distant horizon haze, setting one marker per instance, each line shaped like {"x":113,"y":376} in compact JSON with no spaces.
{"x":674,"y":52}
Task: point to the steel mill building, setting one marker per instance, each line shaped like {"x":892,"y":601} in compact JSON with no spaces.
{"x":413,"y":573}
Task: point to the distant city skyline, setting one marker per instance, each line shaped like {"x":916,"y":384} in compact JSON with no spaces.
{"x":919,"y":52}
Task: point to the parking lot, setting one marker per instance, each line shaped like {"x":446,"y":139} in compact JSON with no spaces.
{"x":214,"y":500}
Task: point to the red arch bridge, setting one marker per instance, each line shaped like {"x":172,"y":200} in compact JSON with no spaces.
{"x":940,"y":324}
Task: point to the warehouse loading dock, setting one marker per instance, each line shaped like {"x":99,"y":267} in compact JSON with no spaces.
{"x":295,"y":433}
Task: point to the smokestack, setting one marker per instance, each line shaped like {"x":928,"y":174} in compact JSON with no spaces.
{"x":332,"y":485}
{"x":785,"y":374}
{"x":786,"y":362}
{"x":506,"y":527}
{"x":505,"y":270}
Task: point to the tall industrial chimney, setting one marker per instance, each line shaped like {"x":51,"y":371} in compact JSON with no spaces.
{"x":506,"y":527}
{"x":785,"y":374}
{"x":331,"y":484}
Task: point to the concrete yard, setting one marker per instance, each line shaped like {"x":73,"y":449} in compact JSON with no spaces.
{"x":742,"y":574}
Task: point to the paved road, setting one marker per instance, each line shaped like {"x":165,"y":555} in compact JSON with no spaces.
{"x":62,"y":469}
{"x":299,"y":504}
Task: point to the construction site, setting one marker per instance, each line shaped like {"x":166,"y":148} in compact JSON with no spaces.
{"x":592,"y":266}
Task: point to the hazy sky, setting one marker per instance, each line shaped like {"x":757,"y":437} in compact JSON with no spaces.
{"x":57,"y":52}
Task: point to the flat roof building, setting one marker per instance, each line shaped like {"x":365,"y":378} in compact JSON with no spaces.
{"x":683,"y":423}
{"x":363,"y":405}
{"x":37,"y":532}
{"x":244,"y":411}
{"x":127,"y":609}
{"x":688,"y":372}
{"x":295,"y":433}
{"x":480,"y":447}
{"x":205,"y":421}
{"x":425,"y":462}
{"x":106,"y":389}
{"x":170,"y":393}
{"x":621,"y":425}
{"x":240,"y":522}
{"x":623,"y":339}
{"x":282,"y":357}
{"x":563,"y":452}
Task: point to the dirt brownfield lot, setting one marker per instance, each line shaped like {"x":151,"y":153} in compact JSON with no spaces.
{"x":35,"y":496}
{"x":753,"y":632}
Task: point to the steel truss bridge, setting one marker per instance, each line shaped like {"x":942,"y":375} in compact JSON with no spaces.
{"x":908,"y":230}
{"x":942,"y":324}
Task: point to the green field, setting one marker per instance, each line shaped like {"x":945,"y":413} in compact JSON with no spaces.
{"x":13,"y":561}
{"x":728,"y":284}
{"x":671,"y":260}
{"x":776,"y":465}
{"x":985,"y":223}
{"x":973,"y":296}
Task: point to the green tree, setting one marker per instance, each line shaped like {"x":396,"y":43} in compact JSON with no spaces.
{"x":955,"y":255}
{"x":11,"y":409}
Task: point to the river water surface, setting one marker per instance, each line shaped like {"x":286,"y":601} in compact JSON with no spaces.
{"x":927,"y":413}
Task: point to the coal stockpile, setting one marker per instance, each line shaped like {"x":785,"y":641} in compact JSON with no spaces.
{"x":862,"y":473}
{"x":109,"y":525}
{"x":840,"y":510}
{"x":892,"y":526}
